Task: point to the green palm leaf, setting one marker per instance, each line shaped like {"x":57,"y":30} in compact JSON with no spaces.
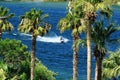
{"x":5,"y":25}
{"x":111,"y":65}
{"x":31,"y":21}
{"x":101,"y":34}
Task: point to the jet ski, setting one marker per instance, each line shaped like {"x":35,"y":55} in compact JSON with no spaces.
{"x":61,"y":40}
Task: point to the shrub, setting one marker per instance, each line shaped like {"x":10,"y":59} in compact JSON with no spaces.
{"x":15,"y":58}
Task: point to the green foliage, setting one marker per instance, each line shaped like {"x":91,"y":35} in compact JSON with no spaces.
{"x":23,"y":76}
{"x":66,"y":23}
{"x":42,"y":70}
{"x":80,"y":13}
{"x":15,"y":62}
{"x":111,"y":65}
{"x":3,"y":11}
{"x":2,"y":74}
{"x":33,"y":22}
{"x":5,"y":25}
{"x":78,"y":43}
{"x":101,"y":35}
{"x":71,"y":22}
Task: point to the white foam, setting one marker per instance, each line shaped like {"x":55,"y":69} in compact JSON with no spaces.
{"x":52,"y":39}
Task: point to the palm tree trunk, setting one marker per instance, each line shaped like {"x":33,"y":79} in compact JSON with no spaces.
{"x":75,"y":54}
{"x":98,"y":70}
{"x":75,"y":57}
{"x":0,"y":33}
{"x":75,"y":64}
{"x":33,"y":57}
{"x":89,"y":51}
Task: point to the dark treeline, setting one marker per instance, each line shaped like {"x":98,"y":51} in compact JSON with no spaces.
{"x":35,"y":0}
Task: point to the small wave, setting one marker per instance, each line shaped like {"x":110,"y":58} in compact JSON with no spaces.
{"x":14,"y":34}
{"x":23,"y":34}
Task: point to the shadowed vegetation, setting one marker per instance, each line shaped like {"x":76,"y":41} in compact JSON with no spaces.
{"x":15,"y":63}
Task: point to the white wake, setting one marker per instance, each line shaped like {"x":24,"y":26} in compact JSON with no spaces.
{"x":51,"y":37}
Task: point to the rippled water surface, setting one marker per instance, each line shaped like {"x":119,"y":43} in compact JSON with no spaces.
{"x":56,"y":56}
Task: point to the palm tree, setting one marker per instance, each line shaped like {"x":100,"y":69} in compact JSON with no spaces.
{"x":33,"y":22}
{"x":89,"y":15}
{"x":111,"y":65}
{"x":72,"y":21}
{"x":66,"y":24}
{"x":85,"y":16}
{"x":5,"y":25}
{"x":79,"y":16}
{"x":101,"y":35}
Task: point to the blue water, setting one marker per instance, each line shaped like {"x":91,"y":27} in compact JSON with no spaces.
{"x":56,"y":56}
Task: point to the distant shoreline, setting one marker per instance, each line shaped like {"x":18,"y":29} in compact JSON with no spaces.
{"x":33,"y":0}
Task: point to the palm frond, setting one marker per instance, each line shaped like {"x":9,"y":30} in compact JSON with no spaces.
{"x":64,"y":24}
{"x":101,"y":35}
{"x":74,"y":31}
{"x":110,"y":29}
{"x":116,"y":71}
{"x":107,"y":12}
{"x":11,"y":15}
{"x":44,"y":16}
{"x":111,"y":65}
{"x":5,"y":25}
{"x":112,"y":41}
{"x":33,"y":22}
{"x":79,"y":42}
